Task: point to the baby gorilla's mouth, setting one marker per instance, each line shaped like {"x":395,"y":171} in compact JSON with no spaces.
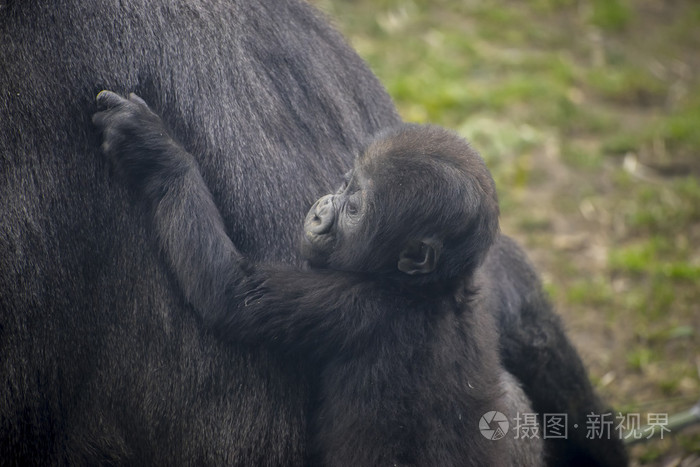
{"x":315,"y":249}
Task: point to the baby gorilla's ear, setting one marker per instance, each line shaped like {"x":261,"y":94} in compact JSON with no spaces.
{"x":419,"y":256}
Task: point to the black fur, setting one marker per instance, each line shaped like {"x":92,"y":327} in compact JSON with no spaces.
{"x":407,"y":365}
{"x":101,"y":359}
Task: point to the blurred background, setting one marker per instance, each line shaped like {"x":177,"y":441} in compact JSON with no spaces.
{"x":588,"y":115}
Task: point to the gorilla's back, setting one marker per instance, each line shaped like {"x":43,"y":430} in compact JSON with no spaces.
{"x":102,"y":361}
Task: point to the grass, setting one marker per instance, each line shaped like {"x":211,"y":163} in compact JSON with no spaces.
{"x":588,"y":114}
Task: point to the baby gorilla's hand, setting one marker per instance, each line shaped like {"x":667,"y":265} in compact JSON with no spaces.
{"x":136,"y":140}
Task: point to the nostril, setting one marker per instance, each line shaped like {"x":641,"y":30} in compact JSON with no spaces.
{"x":321,"y":225}
{"x":320,"y":218}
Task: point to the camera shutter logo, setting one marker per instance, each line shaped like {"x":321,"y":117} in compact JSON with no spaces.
{"x":493,"y":425}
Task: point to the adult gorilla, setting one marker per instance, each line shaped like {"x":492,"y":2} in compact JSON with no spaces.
{"x":102,"y":361}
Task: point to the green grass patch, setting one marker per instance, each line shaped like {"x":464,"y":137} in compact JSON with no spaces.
{"x":610,"y":15}
{"x":639,"y":358}
{"x":593,"y":292}
{"x":626,"y":85}
{"x":662,"y":209}
{"x":581,"y":157}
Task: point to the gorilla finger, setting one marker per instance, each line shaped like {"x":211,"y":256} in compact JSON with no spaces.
{"x":112,"y":141}
{"x":99,"y":119}
{"x":106,"y":119}
{"x":106,"y":147}
{"x":108,"y":99}
{"x":137,"y":99}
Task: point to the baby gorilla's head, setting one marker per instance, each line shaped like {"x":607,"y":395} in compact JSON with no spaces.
{"x":420,"y":202}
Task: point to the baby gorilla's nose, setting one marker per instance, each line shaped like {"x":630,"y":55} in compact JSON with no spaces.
{"x":321,"y":215}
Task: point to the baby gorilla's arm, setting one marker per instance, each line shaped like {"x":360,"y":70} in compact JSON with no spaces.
{"x":238,"y":301}
{"x":188,"y":225}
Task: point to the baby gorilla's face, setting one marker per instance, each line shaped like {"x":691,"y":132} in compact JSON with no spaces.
{"x":360,"y":228}
{"x":335,"y":229}
{"x":420,"y":202}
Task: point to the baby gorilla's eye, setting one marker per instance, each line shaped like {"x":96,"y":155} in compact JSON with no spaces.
{"x":353,"y":206}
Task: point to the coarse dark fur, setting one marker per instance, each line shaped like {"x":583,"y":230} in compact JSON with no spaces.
{"x":407,"y":366}
{"x":102,"y":361}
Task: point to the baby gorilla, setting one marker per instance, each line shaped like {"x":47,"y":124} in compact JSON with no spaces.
{"x":387,"y":311}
